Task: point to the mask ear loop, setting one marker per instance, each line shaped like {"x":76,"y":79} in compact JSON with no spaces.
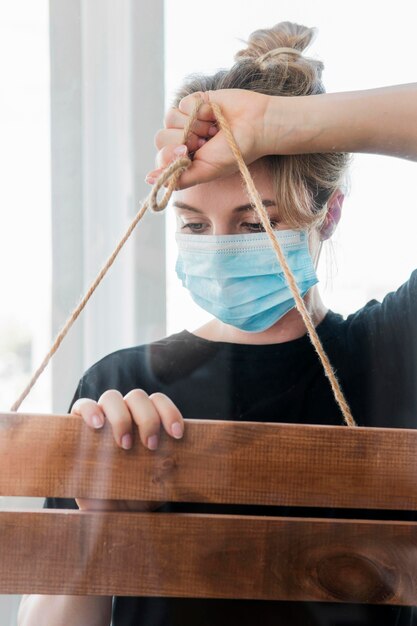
{"x":317,"y":259}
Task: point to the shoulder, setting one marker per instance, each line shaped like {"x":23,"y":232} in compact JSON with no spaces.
{"x":398,"y":302}
{"x":391,"y":320}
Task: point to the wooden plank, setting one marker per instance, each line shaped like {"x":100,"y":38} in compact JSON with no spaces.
{"x":217,"y":556}
{"x":216,"y":461}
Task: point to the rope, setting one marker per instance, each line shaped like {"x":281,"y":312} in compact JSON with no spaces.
{"x":172,"y":173}
{"x":302,"y":309}
{"x":60,"y":336}
{"x":175,"y":170}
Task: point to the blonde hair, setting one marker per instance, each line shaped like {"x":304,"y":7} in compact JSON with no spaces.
{"x":305,"y":182}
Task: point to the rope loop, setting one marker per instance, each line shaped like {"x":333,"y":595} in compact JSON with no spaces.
{"x":173,"y":172}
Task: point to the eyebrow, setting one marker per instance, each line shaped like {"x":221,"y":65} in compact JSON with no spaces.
{"x":238,"y":209}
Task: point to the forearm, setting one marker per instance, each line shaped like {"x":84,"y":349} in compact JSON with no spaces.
{"x":377,"y":121}
{"x":41,"y":610}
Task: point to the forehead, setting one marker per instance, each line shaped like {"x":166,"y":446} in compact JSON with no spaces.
{"x":229,"y":191}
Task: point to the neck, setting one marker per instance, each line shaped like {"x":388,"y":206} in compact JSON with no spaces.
{"x":289,"y":327}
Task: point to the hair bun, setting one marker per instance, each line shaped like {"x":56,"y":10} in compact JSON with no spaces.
{"x":283,"y":38}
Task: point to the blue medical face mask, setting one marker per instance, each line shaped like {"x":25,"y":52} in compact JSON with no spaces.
{"x":238,"y":279}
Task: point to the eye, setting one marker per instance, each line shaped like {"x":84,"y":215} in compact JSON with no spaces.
{"x":195,"y":227}
{"x":256,"y":227}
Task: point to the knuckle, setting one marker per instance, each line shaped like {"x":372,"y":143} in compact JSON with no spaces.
{"x":136,"y":394}
{"x":159,"y":139}
{"x":149,"y":421}
{"x":109,"y":394}
{"x":166,"y":408}
{"x":170,"y":117}
{"x":158,"y":395}
{"x":77,"y":405}
{"x":83,"y":404}
{"x":164,"y":156}
{"x":167,"y":152}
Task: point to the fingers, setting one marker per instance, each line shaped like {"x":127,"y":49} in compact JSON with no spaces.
{"x":170,"y":139}
{"x":171,"y":418}
{"x":206,"y":166}
{"x":134,"y":409}
{"x":90,"y":411}
{"x":118,"y":414}
{"x":168,"y":154}
{"x":145,"y":416}
{"x":88,"y":504}
{"x":170,"y":145}
{"x":205,"y":112}
{"x":177,"y":120}
{"x":201,"y":170}
{"x":149,"y":412}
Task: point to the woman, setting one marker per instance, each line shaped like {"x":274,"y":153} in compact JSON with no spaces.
{"x":254,"y":361}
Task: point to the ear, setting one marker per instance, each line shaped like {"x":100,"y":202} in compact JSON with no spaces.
{"x":334,"y":212}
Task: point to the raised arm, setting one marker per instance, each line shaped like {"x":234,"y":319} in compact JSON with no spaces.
{"x":378,"y":121}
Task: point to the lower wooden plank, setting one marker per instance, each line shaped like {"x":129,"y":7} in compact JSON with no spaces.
{"x":214,"y":556}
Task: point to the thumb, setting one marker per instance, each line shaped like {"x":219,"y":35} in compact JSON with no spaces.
{"x":199,"y":172}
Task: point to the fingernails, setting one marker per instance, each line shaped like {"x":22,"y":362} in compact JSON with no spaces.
{"x":181,"y":150}
{"x":176,"y":430}
{"x":213,"y":130}
{"x":201,"y":142}
{"x":127,"y":441}
{"x":97,"y":421}
{"x":153,"y":442}
{"x":150,"y":180}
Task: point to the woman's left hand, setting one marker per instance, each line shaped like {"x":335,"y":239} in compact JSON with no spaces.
{"x":244,"y":111}
{"x":125,"y":413}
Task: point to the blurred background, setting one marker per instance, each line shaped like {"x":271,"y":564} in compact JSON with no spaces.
{"x":84,"y":88}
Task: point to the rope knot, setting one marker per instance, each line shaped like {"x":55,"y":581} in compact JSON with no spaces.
{"x":171,"y":173}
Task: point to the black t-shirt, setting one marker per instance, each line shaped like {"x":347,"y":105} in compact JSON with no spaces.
{"x":374,"y":353}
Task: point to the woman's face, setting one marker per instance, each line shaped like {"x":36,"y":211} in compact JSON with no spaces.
{"x":222,"y":207}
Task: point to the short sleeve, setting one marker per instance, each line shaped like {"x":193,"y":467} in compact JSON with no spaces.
{"x":393,"y":332}
{"x":398,"y":338}
{"x":384,"y":339}
{"x":398,"y":315}
{"x":391,"y":325}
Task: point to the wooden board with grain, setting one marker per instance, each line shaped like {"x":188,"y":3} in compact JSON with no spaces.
{"x":216,"y":461}
{"x":214,"y":556}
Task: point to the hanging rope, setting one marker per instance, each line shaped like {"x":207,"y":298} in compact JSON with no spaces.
{"x":171,"y":175}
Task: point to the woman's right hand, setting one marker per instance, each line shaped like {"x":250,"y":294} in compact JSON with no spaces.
{"x":135,"y":409}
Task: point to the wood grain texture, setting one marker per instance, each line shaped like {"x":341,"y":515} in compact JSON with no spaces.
{"x":215,"y":556}
{"x":216,"y":461}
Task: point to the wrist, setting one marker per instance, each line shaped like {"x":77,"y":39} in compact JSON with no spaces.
{"x":290,"y":125}
{"x":329,"y":122}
